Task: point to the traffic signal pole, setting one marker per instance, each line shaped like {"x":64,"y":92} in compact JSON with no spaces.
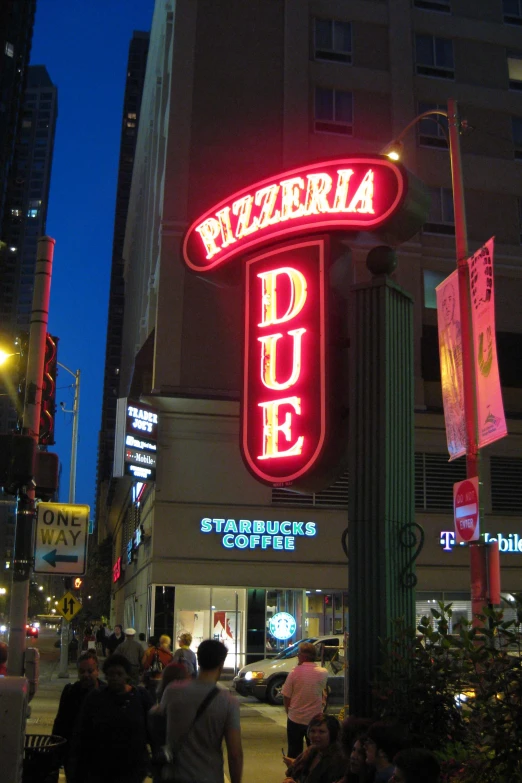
{"x":24,"y":545}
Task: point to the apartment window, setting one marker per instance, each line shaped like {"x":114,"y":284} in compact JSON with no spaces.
{"x":433,"y":132}
{"x":514,"y":61}
{"x":16,"y":212}
{"x":333,"y":111}
{"x":431,"y":281}
{"x":26,"y":123}
{"x":131,"y":115}
{"x":333,"y":40}
{"x":434,"y":56}
{"x":433,"y":5}
{"x":441,"y":219}
{"x":512,"y":11}
{"x":9,"y":49}
{"x":32,"y":213}
{"x":516,"y":123}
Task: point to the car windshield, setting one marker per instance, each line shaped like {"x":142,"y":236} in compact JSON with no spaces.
{"x":291,"y":652}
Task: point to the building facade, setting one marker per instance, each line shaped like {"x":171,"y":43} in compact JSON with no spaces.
{"x":136,"y":68}
{"x":234,"y":95}
{"x":25,"y":218}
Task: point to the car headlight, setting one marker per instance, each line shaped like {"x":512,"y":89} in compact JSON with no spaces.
{"x":254,"y":675}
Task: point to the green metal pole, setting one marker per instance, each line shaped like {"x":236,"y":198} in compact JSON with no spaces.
{"x":381,"y":503}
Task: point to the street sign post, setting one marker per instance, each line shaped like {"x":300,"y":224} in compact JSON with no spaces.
{"x":68,"y":606}
{"x":62,"y":531}
{"x":466,"y":510}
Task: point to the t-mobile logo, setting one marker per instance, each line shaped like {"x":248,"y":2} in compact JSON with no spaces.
{"x":510,"y":543}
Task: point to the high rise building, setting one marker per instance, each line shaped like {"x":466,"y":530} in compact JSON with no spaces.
{"x":16,"y":34}
{"x":235,"y":93}
{"x":25,"y":217}
{"x":136,"y":68}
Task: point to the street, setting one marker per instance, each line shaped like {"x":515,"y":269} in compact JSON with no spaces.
{"x":263,"y":725}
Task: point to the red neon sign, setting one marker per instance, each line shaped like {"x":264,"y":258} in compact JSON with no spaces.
{"x":350,"y":194}
{"x":284,"y":396}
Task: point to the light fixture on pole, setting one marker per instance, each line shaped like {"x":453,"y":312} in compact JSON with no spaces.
{"x":393,"y":150}
{"x":63,"y":671}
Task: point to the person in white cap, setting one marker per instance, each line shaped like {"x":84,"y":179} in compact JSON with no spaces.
{"x":132,"y":650}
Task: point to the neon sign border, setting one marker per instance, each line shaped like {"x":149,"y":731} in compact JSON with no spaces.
{"x":286,"y":230}
{"x":264,"y":476}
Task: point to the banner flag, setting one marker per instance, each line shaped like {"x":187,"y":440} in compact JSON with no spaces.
{"x":490,"y":409}
{"x":450,"y":351}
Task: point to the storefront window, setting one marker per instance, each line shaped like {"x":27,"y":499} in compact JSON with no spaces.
{"x":213,"y":613}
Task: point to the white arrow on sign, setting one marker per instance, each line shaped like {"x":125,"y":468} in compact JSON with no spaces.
{"x":62,"y":531}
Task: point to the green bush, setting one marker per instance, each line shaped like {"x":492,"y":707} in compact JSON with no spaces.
{"x":459,"y":694}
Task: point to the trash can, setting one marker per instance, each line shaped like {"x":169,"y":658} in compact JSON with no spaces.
{"x":42,"y":758}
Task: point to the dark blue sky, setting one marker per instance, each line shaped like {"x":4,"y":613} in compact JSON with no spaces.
{"x":84,"y":46}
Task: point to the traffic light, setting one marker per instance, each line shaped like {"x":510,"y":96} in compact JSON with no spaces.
{"x":48,"y":410}
{"x":46,"y":475}
{"x":17,"y":461}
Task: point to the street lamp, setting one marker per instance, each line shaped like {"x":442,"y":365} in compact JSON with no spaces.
{"x":477,"y":565}
{"x":74,"y":445}
{"x":64,"y":643}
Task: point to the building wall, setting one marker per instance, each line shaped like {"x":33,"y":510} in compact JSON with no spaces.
{"x":229,"y":99}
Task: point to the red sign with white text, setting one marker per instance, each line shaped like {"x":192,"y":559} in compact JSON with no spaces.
{"x":284,"y":394}
{"x":350,"y":194}
{"x":466,"y":508}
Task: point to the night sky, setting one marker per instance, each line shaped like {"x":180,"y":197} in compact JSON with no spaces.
{"x":84,"y":46}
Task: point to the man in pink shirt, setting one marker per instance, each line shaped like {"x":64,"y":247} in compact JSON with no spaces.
{"x":303,"y":697}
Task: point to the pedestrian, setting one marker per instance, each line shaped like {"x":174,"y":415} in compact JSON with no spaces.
{"x":101,"y":639}
{"x":133,"y":651}
{"x":383,"y":741}
{"x":111,"y":735}
{"x":143,"y":641}
{"x":3,"y":659}
{"x":115,"y":639}
{"x":353,"y":734}
{"x":153,"y":663}
{"x":71,"y":701}
{"x":416,"y":765}
{"x":303,"y":694}
{"x":185,"y":655}
{"x":199,"y":716}
{"x":322,"y":761}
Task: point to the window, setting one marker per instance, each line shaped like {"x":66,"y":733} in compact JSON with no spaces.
{"x":433,"y":5}
{"x":441,"y":219}
{"x":9,"y":49}
{"x":26,"y":123}
{"x":516,"y":123}
{"x":431,"y":281}
{"x":512,"y":11}
{"x":434,"y":479}
{"x":433,"y":132}
{"x":16,"y":212}
{"x":514,"y":61}
{"x":333,"y":111}
{"x":131,"y":115}
{"x":332,"y":40}
{"x":32,"y":213}
{"x":434,"y":56}
{"x":506,"y":485}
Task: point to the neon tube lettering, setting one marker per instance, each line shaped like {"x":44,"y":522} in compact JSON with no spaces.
{"x":243,"y":209}
{"x":266,"y":199}
{"x":341,"y":191}
{"x":272,"y":428}
{"x":297,"y":295}
{"x":319,"y":185}
{"x":209,"y":230}
{"x":269,"y":361}
{"x":226,"y":227}
{"x":291,"y":206}
{"x":363,"y":196}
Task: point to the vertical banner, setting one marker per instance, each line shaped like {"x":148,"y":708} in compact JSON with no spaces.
{"x":450,"y":351}
{"x":490,"y":409}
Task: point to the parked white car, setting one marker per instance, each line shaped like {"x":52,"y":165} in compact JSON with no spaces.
{"x":264,"y":679}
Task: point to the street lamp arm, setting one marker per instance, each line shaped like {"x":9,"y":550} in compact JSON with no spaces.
{"x":74,"y":374}
{"x":418,"y":118}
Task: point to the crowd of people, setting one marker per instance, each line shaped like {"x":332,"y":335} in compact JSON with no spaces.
{"x":162,"y":714}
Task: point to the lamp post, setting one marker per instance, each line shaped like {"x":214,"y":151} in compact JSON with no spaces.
{"x":63,"y":671}
{"x":477,"y":559}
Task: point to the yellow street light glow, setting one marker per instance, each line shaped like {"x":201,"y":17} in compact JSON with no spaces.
{"x":4,"y":356}
{"x":393,"y":155}
{"x":3,"y":590}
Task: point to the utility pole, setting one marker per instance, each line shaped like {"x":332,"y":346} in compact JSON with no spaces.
{"x":24,"y":545}
{"x":63,"y":671}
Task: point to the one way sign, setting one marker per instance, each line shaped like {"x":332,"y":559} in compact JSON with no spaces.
{"x":61,"y":539}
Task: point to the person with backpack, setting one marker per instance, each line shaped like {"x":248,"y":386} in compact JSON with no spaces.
{"x":186,"y":656}
{"x":154,"y":661}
